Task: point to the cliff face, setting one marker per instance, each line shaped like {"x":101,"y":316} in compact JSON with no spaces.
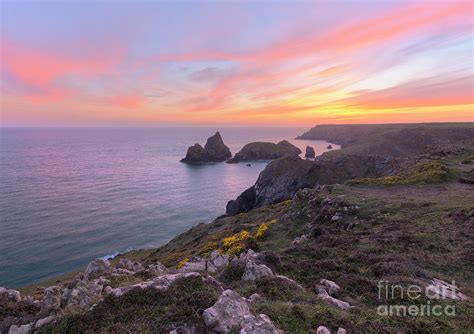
{"x":265,"y":151}
{"x":398,"y":140}
{"x":368,"y":151}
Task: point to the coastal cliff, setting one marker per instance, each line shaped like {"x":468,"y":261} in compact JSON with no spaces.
{"x":307,"y":253}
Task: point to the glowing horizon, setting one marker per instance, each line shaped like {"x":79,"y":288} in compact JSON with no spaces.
{"x":226,"y":63}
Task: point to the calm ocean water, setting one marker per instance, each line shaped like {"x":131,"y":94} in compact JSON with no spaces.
{"x":70,"y":195}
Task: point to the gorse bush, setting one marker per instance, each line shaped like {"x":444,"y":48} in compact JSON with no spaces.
{"x":425,"y":173}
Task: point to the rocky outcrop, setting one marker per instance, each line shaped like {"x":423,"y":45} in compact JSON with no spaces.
{"x":324,"y":295}
{"x":282,"y":178}
{"x":231,"y":313}
{"x":96,"y":269}
{"x":310,"y":153}
{"x":255,"y":271}
{"x":265,"y":151}
{"x":214,"y":151}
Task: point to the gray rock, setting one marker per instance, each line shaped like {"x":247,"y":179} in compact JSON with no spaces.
{"x":227,"y":313}
{"x":323,"y":330}
{"x":333,"y":301}
{"x":260,"y":324}
{"x":117,"y":292}
{"x":9,"y":296}
{"x":254,"y":297}
{"x":97,"y":268}
{"x":157,"y":269}
{"x":310,"y":153}
{"x":164,"y":281}
{"x":129,"y":265}
{"x":23,"y":329}
{"x":52,"y":299}
{"x":299,"y":239}
{"x":217,"y":261}
{"x":195,"y":263}
{"x":185,"y":329}
{"x":84,"y":295}
{"x":122,"y":272}
{"x":441,"y":290}
{"x":44,"y":321}
{"x":255,"y":271}
{"x":331,"y":287}
{"x":341,"y":330}
{"x":249,"y":255}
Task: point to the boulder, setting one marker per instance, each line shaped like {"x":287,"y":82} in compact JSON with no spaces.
{"x":195,"y":263}
{"x":323,"y":330}
{"x":331,"y":287}
{"x":117,"y":292}
{"x":164,"y":281}
{"x":157,"y":269}
{"x":441,"y":290}
{"x":341,"y":330}
{"x":44,"y":321}
{"x":216,"y":149}
{"x":329,"y":147}
{"x":322,"y":293}
{"x":310,"y":153}
{"x":260,"y":324}
{"x":227,"y":313}
{"x":265,"y":151}
{"x":217,"y":261}
{"x":8,"y":296}
{"x":23,"y":329}
{"x":255,"y":271}
{"x":96,"y":269}
{"x":129,"y":265}
{"x":51,"y":299}
{"x":85,"y":294}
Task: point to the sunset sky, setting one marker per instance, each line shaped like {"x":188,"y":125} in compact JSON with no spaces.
{"x":282,"y":63}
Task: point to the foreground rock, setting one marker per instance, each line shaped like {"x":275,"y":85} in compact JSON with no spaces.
{"x":310,"y":153}
{"x":214,"y":151}
{"x":265,"y":151}
{"x":231,"y":313}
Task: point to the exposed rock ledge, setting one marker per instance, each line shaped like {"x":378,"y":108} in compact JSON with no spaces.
{"x":214,"y":151}
{"x":265,"y":151}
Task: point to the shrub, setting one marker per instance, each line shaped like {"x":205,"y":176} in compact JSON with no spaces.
{"x":234,"y":245}
{"x":209,"y":247}
{"x":262,"y":230}
{"x":182,"y":263}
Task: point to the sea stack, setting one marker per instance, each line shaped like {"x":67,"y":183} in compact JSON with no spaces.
{"x":214,"y":151}
{"x":309,"y":152}
{"x":329,"y":147}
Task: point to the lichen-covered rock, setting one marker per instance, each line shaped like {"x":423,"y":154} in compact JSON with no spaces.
{"x":217,"y":261}
{"x":164,"y":281}
{"x":227,"y":313}
{"x":157,"y":269}
{"x":51,"y":299}
{"x":8,"y":296}
{"x":260,"y":324}
{"x":117,"y":292}
{"x":195,"y":263}
{"x":331,"y":287}
{"x":255,"y":271}
{"x":96,"y":269}
{"x":341,"y":330}
{"x":129,"y":265}
{"x":85,"y":294}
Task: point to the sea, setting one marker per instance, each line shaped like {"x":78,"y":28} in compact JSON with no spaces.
{"x":69,"y":195}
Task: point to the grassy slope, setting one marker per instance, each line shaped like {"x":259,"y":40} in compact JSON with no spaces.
{"x":405,"y":234}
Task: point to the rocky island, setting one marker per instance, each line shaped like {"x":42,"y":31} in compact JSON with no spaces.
{"x":214,"y":151}
{"x":265,"y":151}
{"x":304,"y":250}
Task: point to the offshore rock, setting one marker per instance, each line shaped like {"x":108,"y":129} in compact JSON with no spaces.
{"x":310,"y":153}
{"x":214,"y":151}
{"x":265,"y":151}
